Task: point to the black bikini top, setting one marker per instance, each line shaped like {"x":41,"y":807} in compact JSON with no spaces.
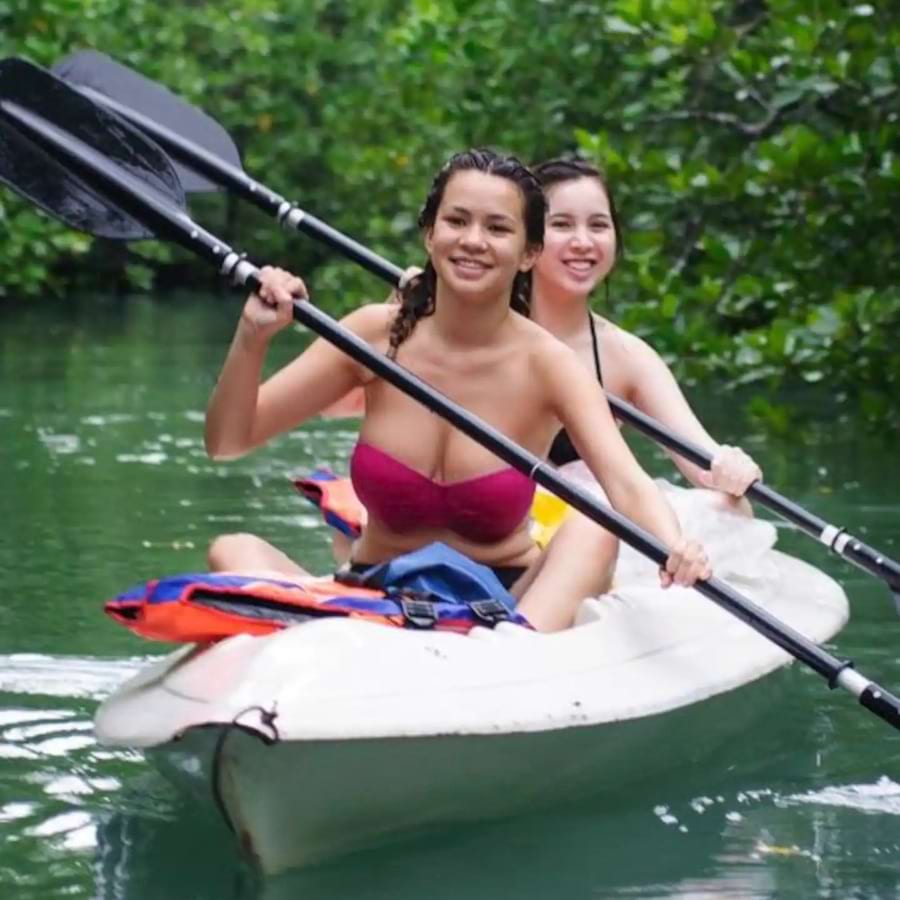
{"x":562,"y":450}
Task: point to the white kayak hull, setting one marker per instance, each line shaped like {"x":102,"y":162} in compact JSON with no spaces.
{"x":335,"y":735}
{"x":297,"y":803}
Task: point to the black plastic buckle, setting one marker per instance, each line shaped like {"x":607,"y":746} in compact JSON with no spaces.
{"x":418,"y":613}
{"x":344,"y":575}
{"x":489,"y":610}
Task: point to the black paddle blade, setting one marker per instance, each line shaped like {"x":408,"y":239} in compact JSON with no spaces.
{"x":40,"y":179}
{"x":97,"y":72}
{"x":32,"y":168}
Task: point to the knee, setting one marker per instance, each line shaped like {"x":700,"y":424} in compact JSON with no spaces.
{"x":590,"y":537}
{"x":606,"y":544}
{"x":601,"y":547}
{"x":227,"y":551}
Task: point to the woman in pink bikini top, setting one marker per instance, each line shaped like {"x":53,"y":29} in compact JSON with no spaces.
{"x":484,"y":509}
{"x":461,"y":326}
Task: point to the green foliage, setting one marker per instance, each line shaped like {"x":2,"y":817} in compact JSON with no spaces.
{"x":760,"y":176}
{"x":752,"y":147}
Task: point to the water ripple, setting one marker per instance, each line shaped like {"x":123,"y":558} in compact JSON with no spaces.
{"x":64,"y":676}
{"x":881,"y":797}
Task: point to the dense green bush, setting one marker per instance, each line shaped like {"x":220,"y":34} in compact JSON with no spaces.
{"x":752,"y":147}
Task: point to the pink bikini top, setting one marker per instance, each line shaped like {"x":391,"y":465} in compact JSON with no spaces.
{"x":483,"y":509}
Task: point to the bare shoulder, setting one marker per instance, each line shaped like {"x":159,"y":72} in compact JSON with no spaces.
{"x":372,"y":321}
{"x":625,"y":348}
{"x":547,"y":353}
{"x":537,"y":338}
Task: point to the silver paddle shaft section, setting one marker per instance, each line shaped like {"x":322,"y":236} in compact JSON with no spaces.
{"x":165,"y":217}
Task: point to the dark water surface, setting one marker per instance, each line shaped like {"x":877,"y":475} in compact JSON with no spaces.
{"x":104,"y":482}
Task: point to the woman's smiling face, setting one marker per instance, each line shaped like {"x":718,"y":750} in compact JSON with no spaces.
{"x":478,"y":242}
{"x":579,"y":238}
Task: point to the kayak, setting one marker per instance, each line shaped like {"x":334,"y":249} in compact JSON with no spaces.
{"x":341,"y":734}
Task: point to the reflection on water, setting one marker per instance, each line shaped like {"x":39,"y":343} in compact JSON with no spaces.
{"x":104,"y":482}
{"x":721,"y":852}
{"x":56,"y":783}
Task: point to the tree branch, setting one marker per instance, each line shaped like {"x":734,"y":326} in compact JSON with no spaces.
{"x":752,"y":130}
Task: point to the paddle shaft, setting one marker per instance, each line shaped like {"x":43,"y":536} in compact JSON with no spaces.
{"x":836,"y":538}
{"x":158,"y":213}
{"x":237,"y":180}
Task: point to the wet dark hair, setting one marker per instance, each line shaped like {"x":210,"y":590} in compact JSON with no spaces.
{"x":417,"y":297}
{"x":555,"y":171}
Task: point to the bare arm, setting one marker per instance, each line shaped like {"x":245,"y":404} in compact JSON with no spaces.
{"x":654,"y":390}
{"x":244,"y":414}
{"x":351,"y":405}
{"x":581,"y":405}
{"x":354,"y":403}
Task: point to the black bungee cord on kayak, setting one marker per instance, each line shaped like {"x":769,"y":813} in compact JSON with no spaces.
{"x":88,"y":167}
{"x":206,"y":158}
{"x":267,"y":719}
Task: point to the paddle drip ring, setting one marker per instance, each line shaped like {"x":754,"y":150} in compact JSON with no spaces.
{"x":289,"y":216}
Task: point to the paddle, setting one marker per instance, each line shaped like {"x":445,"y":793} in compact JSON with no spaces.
{"x":71,"y":134}
{"x":206,"y":151}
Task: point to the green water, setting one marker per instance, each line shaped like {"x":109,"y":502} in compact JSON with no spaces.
{"x":103,"y":482}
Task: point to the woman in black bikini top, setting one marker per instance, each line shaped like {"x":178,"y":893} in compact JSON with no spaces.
{"x":581,"y":243}
{"x":562,"y":450}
